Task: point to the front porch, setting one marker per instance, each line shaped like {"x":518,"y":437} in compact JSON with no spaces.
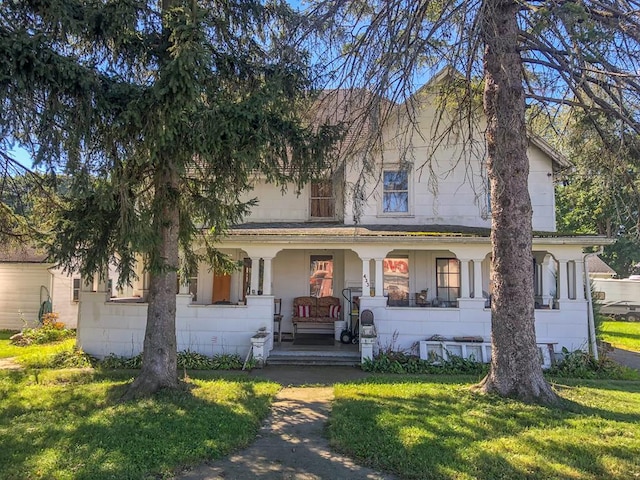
{"x":416,"y":285}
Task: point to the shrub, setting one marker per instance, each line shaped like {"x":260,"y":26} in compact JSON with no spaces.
{"x":115,"y":362}
{"x":75,"y":358}
{"x":399,"y":362}
{"x":51,"y":330}
{"x":186,"y":360}
{"x":580,"y":364}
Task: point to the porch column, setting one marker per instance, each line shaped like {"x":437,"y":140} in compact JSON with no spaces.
{"x":580,"y":286}
{"x":366,"y":277}
{"x":184,"y":287}
{"x":266,"y":279}
{"x":86,"y":284}
{"x":103,"y":281}
{"x":379,"y":277}
{"x":464,"y":278}
{"x":255,"y":275}
{"x":544,"y":281}
{"x":477,"y":278}
{"x":563,"y":281}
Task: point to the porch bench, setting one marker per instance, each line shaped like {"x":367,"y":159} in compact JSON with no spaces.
{"x":315,"y":311}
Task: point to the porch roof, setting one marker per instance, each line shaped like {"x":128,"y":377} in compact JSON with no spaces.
{"x":336,"y":232}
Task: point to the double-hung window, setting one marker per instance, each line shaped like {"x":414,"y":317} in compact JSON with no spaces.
{"x":75,"y":289}
{"x":395,"y":195}
{"x":322,"y":200}
{"x":448,"y":279}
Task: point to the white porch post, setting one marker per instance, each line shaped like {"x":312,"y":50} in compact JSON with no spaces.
{"x":255,"y":275}
{"x":563,"y":281}
{"x":379,"y":277}
{"x":266,"y":279}
{"x":464,"y":278}
{"x":544,"y":280}
{"x":184,"y":287}
{"x":86,"y":284}
{"x":103,"y":281}
{"x":366,"y":277}
{"x":580,"y":286}
{"x":477,"y":278}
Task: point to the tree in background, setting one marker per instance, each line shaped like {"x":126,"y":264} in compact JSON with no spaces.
{"x":518,"y":54}
{"x":162,"y":113}
{"x":600,"y":194}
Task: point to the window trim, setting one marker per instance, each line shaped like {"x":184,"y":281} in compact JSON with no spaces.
{"x":407,"y":260}
{"x":75,"y":291}
{"x":409,"y":190}
{"x":448,"y":298}
{"x":331,"y":198}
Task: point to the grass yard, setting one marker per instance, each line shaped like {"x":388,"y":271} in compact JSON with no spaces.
{"x":435,"y":428}
{"x":67,"y":424}
{"x":33,"y":356}
{"x":624,"y":335}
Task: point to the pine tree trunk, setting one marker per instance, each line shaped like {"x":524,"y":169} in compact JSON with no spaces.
{"x":159,"y":357}
{"x":515,"y":366}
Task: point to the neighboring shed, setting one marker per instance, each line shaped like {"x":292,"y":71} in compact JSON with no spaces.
{"x":26,"y":280}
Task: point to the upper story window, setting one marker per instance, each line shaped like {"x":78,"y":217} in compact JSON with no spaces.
{"x":322,"y":199}
{"x":395,"y":196}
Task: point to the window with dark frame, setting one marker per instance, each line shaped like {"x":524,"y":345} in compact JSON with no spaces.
{"x":448,"y":279}
{"x":75,"y":290}
{"x":322,"y":199}
{"x":395,"y":195}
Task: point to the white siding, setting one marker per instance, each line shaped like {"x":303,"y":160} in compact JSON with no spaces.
{"x":20,"y":293}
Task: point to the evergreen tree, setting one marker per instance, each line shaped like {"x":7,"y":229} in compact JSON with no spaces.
{"x":161,"y":113}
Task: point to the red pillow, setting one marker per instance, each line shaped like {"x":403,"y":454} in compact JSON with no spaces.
{"x":334,"y":311}
{"x":304,"y":311}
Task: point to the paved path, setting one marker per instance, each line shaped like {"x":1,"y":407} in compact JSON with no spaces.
{"x":9,"y":364}
{"x":625,"y":357}
{"x":291,"y":444}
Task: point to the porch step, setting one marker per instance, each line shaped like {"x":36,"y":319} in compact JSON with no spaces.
{"x":314,"y":358}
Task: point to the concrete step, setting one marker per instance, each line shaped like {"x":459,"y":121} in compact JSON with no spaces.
{"x":319,"y":360}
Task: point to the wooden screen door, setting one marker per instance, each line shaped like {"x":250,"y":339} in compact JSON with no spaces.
{"x":221,"y":288}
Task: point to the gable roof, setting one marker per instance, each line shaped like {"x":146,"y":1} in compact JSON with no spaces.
{"x":599,"y":267}
{"x":22,"y":254}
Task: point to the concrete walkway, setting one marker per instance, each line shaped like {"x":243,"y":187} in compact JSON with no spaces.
{"x":625,"y":357}
{"x":291,"y":444}
{"x":9,"y":364}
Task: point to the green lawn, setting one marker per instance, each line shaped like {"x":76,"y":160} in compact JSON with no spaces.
{"x":435,"y":428}
{"x":624,"y":335}
{"x":33,"y":356}
{"x":67,"y":424}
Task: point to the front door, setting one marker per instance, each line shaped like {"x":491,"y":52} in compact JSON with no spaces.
{"x":221,"y":288}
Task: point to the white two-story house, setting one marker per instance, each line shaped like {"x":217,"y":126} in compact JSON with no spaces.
{"x":414,"y":249}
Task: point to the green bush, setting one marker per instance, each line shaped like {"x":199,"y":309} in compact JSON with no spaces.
{"x":115,"y":362}
{"x":402,"y":363}
{"x":580,"y":364}
{"x":75,"y":358}
{"x":187,"y":359}
{"x":50,"y":331}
